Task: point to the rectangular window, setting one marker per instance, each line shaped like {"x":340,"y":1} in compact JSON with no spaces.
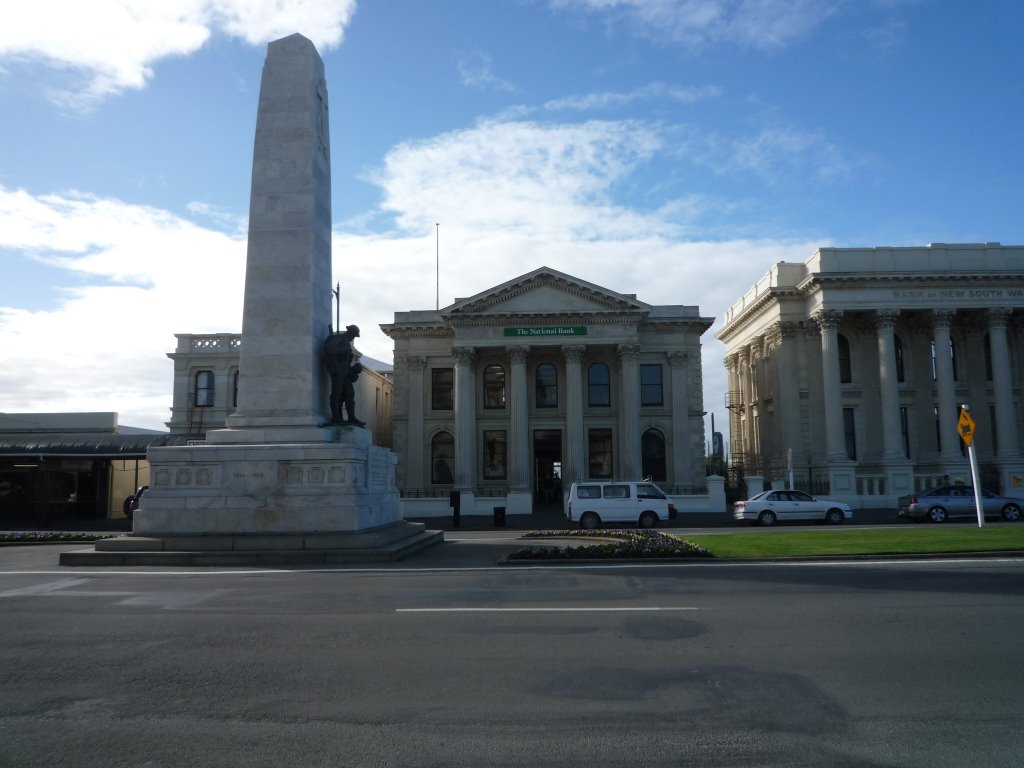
{"x":650,"y":385}
{"x":547,"y":386}
{"x":850,"y":433}
{"x":495,"y":453}
{"x":588,"y":491}
{"x":599,"y":444}
{"x":616,"y":491}
{"x":905,"y":431}
{"x":649,"y":492}
{"x":494,"y":386}
{"x":441,"y":388}
{"x":204,"y":389}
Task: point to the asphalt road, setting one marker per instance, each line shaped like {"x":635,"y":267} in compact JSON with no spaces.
{"x":446,"y":660}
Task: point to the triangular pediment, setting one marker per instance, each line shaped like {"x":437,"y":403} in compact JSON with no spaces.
{"x":542,"y":292}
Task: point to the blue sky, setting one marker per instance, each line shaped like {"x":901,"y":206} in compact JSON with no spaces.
{"x":673,"y":149}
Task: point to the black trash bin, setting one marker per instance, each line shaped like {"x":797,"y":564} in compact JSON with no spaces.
{"x":499,"y":517}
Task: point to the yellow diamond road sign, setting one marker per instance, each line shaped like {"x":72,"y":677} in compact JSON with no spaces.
{"x":966,"y":427}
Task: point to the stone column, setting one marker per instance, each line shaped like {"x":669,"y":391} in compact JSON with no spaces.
{"x":282,"y":387}
{"x":465,"y":420}
{"x":787,"y":382}
{"x":682,"y":465}
{"x":899,"y":471}
{"x":949,"y":453}
{"x":828,"y":322}
{"x":573,"y":466}
{"x":629,"y":413}
{"x":1006,"y":416}
{"x":519,"y":421}
{"x":414,"y":449}
{"x":756,"y":376}
{"x":889,"y":391}
{"x":747,"y":396}
{"x":734,"y":404}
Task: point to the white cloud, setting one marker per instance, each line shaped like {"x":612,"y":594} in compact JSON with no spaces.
{"x":103,"y":346}
{"x":108,"y":46}
{"x":510,"y":197}
{"x":518,"y":177}
{"x":650,"y":92}
{"x":475,"y":71}
{"x":780,"y":150}
{"x":763,"y":24}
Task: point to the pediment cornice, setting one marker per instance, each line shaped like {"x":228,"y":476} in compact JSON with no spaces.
{"x":599,"y":299}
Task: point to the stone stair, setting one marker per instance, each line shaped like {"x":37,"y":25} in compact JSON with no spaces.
{"x":387,"y":543}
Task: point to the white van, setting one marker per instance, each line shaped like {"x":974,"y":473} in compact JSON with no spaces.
{"x":596,"y":502}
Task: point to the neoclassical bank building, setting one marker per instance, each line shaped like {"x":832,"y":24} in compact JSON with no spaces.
{"x":851,"y":369}
{"x":508,"y":396}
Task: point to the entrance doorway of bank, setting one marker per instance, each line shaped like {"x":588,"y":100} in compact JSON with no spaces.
{"x":547,"y":472}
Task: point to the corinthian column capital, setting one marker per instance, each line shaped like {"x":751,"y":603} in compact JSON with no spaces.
{"x":573,"y":353}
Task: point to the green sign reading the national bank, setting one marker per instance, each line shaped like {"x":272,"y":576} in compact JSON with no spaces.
{"x":554,"y":330}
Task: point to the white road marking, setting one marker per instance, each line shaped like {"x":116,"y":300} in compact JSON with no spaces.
{"x":44,"y":589}
{"x":66,"y":588}
{"x":632,"y":609}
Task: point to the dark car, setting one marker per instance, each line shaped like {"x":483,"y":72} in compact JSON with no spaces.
{"x":950,"y":501}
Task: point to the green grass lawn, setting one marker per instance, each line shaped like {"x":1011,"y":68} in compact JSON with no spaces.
{"x":851,"y":541}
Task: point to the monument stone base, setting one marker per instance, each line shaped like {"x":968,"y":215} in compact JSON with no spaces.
{"x":267,"y":504}
{"x":271,"y":488}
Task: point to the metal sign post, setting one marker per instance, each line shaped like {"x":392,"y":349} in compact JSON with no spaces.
{"x":965,"y":426}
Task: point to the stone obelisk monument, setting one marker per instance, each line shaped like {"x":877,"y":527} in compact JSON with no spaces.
{"x":278,"y":483}
{"x":281,"y":387}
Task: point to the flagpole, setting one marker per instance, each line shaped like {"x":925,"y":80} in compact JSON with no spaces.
{"x":437,"y":265}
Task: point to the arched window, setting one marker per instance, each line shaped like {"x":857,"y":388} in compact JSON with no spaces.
{"x":845,"y":360}
{"x":204,"y":389}
{"x":898,"y":348}
{"x":652,"y":444}
{"x":442,"y":459}
{"x":494,"y":386}
{"x":599,"y":390}
{"x":547,"y":386}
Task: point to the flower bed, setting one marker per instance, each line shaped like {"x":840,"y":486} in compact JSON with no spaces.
{"x":626,"y":545}
{"x":50,"y":537}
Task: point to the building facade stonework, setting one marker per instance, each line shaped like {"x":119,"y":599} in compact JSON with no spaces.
{"x":520,"y":390}
{"x":205,"y":390}
{"x":851,"y":369}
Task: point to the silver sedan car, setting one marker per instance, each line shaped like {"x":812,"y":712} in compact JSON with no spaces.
{"x":949,"y":501}
{"x":770,"y":507}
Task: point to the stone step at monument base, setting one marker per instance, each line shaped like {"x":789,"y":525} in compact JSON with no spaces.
{"x":387,"y":543}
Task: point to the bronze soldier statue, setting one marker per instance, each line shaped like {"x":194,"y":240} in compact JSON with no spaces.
{"x":339,"y":359}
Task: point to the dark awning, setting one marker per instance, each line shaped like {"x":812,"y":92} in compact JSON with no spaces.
{"x":83,"y":445}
